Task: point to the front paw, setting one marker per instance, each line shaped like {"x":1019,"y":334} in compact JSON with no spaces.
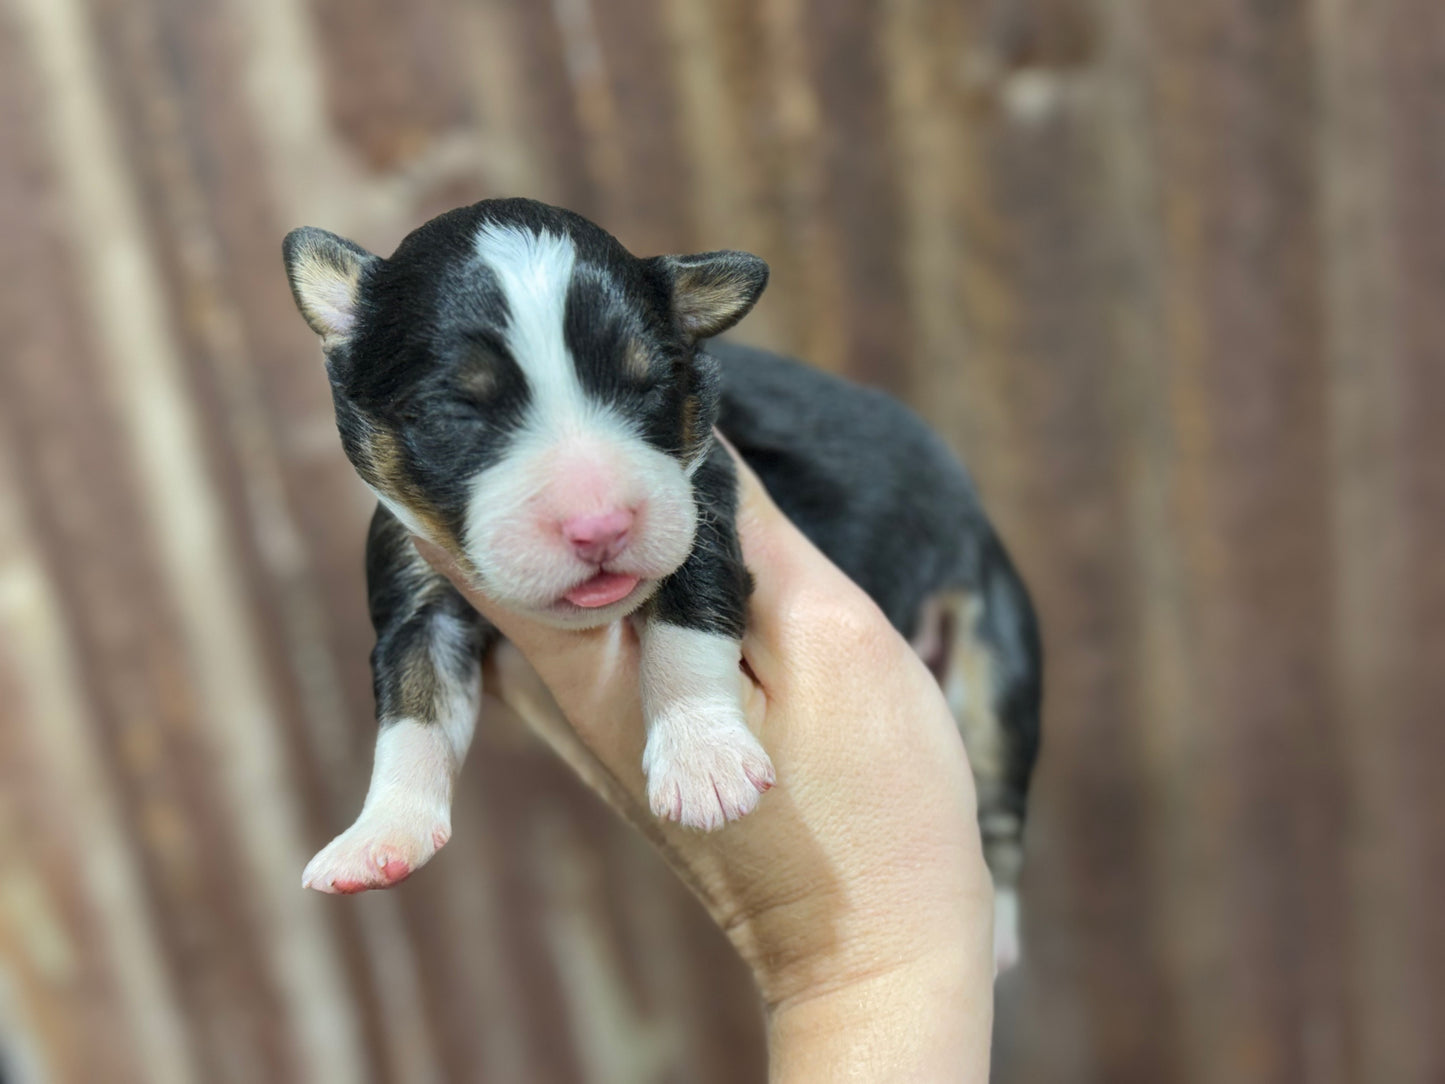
{"x":391,"y":840}
{"x":704,"y":770}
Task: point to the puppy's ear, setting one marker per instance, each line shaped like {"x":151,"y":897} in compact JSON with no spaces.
{"x":325,"y":273}
{"x":711,"y":291}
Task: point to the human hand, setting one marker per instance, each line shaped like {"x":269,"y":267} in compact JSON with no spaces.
{"x":856,"y":892}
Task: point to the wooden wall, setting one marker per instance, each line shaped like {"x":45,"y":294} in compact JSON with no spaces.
{"x":1171,"y":275}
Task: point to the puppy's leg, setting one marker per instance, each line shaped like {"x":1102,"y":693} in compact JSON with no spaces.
{"x":426,"y":669}
{"x":704,"y":766}
{"x":990,"y":677}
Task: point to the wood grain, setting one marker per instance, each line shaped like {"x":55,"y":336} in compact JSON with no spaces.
{"x":1168,"y":275}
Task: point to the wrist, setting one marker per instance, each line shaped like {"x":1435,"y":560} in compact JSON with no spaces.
{"x":888,"y":982}
{"x":927,"y":1019}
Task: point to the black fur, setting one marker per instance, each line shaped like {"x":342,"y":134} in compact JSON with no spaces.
{"x":427,"y":330}
{"x":888,"y":502}
{"x":406,"y":598}
{"x":710,"y":591}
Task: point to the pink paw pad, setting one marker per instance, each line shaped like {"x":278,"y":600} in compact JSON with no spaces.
{"x":375,"y":852}
{"x":389,"y":871}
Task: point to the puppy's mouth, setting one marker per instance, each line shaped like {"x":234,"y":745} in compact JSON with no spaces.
{"x":603,"y":589}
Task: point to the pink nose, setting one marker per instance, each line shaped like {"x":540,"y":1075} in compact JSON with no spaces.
{"x":598,"y":538}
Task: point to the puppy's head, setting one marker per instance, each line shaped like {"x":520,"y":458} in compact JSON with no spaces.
{"x":517,"y":387}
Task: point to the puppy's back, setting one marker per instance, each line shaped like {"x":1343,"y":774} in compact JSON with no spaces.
{"x":860,"y":474}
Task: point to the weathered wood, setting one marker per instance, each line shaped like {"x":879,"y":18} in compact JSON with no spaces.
{"x":1169,"y":274}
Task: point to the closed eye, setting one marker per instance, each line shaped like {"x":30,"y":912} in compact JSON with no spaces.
{"x":478,"y":369}
{"x":476,"y":386}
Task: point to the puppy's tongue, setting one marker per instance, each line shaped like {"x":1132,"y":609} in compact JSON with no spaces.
{"x":603,"y":589}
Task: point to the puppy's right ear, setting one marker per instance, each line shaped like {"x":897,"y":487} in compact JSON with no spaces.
{"x":325,"y":273}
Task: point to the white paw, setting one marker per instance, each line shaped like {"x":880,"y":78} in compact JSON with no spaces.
{"x":704,"y":772}
{"x":1006,"y":948}
{"x":391,"y":840}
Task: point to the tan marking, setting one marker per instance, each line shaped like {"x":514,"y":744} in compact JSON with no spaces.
{"x":382,"y":464}
{"x":636,"y":360}
{"x":326,"y":292}
{"x":478,"y":378}
{"x":701,"y":300}
{"x":374,"y":457}
{"x":691,"y":437}
{"x":968,"y":686}
{"x":420,"y":690}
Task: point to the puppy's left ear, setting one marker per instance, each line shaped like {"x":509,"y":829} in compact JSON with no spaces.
{"x":711,"y":291}
{"x":326,"y":272}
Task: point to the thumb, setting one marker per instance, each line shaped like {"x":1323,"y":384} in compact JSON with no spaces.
{"x":780,"y":557}
{"x":800,"y":597}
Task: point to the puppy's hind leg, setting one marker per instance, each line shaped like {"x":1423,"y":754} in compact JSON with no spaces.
{"x":426,"y":670}
{"x":988,"y":656}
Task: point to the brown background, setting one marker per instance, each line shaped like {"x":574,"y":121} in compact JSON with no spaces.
{"x":1171,"y":275}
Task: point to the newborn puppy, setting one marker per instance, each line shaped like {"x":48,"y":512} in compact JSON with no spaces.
{"x":515,"y":386}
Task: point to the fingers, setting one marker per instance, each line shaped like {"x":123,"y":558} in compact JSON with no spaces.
{"x":779,"y":555}
{"x":775,"y":550}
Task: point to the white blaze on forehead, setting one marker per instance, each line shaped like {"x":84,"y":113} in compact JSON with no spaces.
{"x":534,"y":271}
{"x":573,"y":454}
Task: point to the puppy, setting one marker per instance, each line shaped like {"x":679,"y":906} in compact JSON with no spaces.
{"x":515,"y":386}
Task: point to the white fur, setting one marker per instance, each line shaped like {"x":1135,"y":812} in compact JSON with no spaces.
{"x":704,"y":766}
{"x":534,"y":272}
{"x":407,"y":815}
{"x":573,"y":456}
{"x":402,"y":513}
